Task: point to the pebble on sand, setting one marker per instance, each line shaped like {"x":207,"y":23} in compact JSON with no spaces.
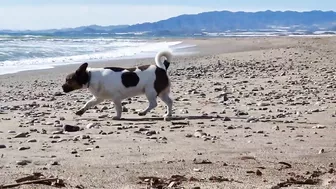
{"x":70,"y":128}
{"x":23,"y":162}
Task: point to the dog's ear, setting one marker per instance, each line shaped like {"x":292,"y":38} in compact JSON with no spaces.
{"x":82,"y":68}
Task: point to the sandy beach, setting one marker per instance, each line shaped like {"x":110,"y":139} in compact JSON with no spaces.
{"x":250,"y":113}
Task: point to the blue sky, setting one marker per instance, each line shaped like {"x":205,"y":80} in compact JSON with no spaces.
{"x":46,"y":14}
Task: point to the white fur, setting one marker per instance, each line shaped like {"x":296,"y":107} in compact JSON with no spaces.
{"x":107,"y":84}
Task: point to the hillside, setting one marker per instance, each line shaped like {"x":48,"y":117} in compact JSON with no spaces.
{"x":226,"y":20}
{"x":218,"y":21}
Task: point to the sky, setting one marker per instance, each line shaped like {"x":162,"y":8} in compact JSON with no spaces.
{"x":47,"y":14}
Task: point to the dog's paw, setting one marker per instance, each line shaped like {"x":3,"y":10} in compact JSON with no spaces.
{"x":80,"y":112}
{"x":116,"y":118}
{"x":167,"y":115}
{"x":142,"y":113}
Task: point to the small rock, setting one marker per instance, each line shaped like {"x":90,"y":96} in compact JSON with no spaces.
{"x":58,"y":132}
{"x":88,"y":149}
{"x":85,"y":137}
{"x":263,"y":104}
{"x":176,"y":127}
{"x":277,"y":128}
{"x":150,"y":133}
{"x":103,"y":116}
{"x":23,"y":162}
{"x":143,"y":129}
{"x":32,"y":140}
{"x":240,"y":113}
{"x":227,"y":119}
{"x":2,"y":146}
{"x":55,"y":137}
{"x":24,"y":148}
{"x":76,"y":138}
{"x":258,"y":172}
{"x":172,"y":184}
{"x":319,"y":127}
{"x":197,"y":170}
{"x":199,"y":134}
{"x":321,"y":151}
{"x":62,"y":140}
{"x":124,"y":109}
{"x":188,"y":135}
{"x":90,"y":125}
{"x":104,"y":108}
{"x":49,"y":123}
{"x":70,"y":128}
{"x":230,"y":127}
{"x":54,"y":163}
{"x":184,"y":111}
{"x":58,"y":94}
{"x":21,"y":135}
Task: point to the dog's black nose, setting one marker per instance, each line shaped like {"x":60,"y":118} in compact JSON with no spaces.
{"x":66,"y":89}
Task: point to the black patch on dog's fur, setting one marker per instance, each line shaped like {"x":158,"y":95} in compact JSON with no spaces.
{"x":129,"y":79}
{"x":83,"y":78}
{"x":77,"y":79}
{"x":81,"y":75}
{"x":162,"y":81}
{"x":166,"y":64}
{"x":115,"y":69}
{"x":143,"y":67}
{"x":118,"y":69}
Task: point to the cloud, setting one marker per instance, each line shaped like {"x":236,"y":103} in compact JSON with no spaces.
{"x":70,"y":15}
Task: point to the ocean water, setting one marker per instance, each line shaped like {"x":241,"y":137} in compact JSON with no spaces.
{"x":27,"y":52}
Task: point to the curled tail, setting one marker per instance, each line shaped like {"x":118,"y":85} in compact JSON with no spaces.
{"x":163,"y":64}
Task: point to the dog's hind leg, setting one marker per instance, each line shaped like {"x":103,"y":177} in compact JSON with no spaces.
{"x":118,"y":108}
{"x":151,"y":97}
{"x":92,"y":102}
{"x":169,"y":102}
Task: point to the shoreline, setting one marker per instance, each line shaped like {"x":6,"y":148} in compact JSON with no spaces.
{"x":194,"y":45}
{"x":120,"y":62}
{"x":136,"y":53}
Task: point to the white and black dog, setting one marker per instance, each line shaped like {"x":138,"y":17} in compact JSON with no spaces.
{"x":117,"y":84}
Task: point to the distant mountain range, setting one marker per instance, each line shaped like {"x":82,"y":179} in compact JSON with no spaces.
{"x":77,"y":30}
{"x":210,"y":22}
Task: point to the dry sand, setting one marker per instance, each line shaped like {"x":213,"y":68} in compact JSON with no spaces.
{"x":253,"y":113}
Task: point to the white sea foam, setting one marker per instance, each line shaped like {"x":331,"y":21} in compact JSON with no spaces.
{"x":29,"y":53}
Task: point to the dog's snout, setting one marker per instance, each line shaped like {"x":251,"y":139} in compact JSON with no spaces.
{"x":66,"y":88}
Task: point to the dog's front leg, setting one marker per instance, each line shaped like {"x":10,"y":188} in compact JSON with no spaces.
{"x":118,"y":108}
{"x":92,"y":102}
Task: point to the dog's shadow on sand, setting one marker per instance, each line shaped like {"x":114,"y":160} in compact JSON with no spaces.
{"x":175,"y":118}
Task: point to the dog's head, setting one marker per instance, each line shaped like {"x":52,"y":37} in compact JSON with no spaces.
{"x":77,"y":79}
